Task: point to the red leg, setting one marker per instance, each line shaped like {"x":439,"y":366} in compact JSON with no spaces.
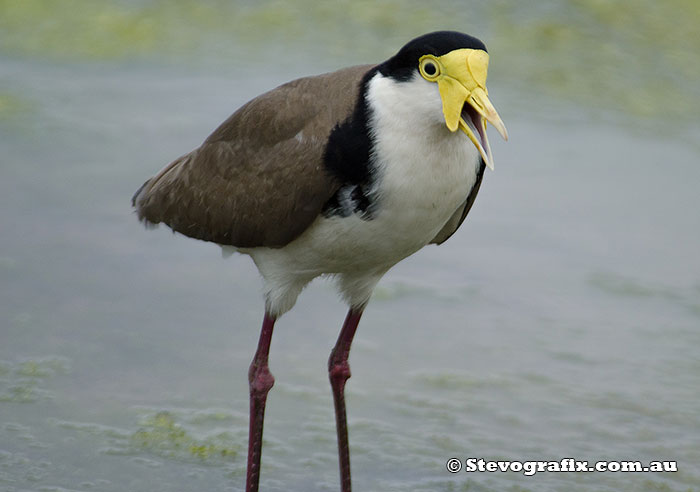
{"x":339,"y":372}
{"x":260,"y":381}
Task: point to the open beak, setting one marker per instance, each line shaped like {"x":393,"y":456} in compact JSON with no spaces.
{"x":465,"y":102}
{"x":476,"y":111}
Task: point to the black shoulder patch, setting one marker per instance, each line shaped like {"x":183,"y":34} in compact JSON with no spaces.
{"x":347,"y":157}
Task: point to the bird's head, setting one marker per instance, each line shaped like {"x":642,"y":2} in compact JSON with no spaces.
{"x":457,"y":65}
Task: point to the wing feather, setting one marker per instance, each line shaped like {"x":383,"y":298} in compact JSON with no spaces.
{"x":259,"y":179}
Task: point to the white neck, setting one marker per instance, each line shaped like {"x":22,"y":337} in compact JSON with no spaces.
{"x":424,"y":172}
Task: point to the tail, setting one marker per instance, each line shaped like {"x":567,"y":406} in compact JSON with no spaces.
{"x":136,"y":198}
{"x":137,"y":202}
{"x":142,"y":195}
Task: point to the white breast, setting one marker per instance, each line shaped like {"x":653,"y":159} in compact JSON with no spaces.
{"x":423,"y":174}
{"x":424,"y":171}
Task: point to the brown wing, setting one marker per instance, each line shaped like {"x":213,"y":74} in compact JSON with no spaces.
{"x":259,"y":179}
{"x":461,"y":213}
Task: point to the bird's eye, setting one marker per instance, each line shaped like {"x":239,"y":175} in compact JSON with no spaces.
{"x":429,"y":68}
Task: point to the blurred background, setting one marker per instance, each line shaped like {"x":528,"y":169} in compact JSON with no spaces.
{"x":561,"y":321}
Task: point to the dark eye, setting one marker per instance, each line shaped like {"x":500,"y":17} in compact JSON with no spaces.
{"x":429,"y":68}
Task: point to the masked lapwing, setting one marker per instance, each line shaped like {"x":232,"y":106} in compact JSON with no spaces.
{"x":343,"y":174}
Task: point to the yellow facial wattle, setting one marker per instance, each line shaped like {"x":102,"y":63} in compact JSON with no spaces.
{"x":461,"y":78}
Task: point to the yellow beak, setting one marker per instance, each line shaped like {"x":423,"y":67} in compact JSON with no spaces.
{"x":461,"y":81}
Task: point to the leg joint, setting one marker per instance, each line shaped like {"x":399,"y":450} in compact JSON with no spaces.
{"x":260,"y":379}
{"x":338,"y":372}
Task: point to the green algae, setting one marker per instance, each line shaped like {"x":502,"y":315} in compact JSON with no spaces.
{"x":42,"y":368}
{"x":22,"y":381}
{"x":25,"y":392}
{"x":167,"y":435}
{"x":75,"y":29}
{"x":162,"y":435}
{"x":636,"y":59}
{"x":11,"y":108}
{"x":640,"y":59}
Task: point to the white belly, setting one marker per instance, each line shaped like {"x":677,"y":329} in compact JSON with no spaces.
{"x":422,"y":174}
{"x":417,"y":198}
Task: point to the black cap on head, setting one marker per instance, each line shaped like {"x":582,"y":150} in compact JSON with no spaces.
{"x":402,"y":65}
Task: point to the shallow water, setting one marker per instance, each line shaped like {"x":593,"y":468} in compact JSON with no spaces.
{"x":562,"y":320}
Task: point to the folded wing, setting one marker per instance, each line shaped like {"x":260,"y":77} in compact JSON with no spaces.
{"x":260,"y":178}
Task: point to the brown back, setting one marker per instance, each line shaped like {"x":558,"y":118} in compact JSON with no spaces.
{"x":259,"y":179}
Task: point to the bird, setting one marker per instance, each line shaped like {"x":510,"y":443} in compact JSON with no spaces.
{"x":342,"y":175}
